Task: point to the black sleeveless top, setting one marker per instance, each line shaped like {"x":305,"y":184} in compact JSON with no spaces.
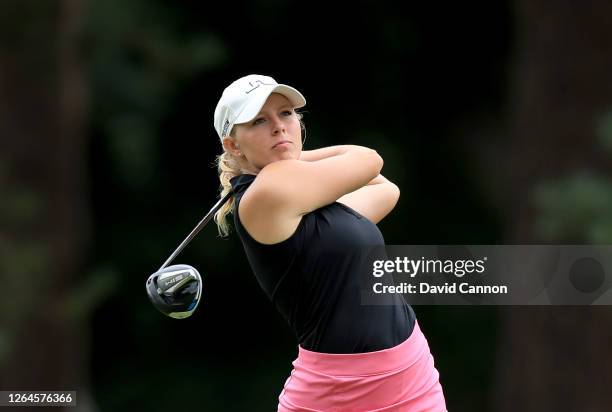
{"x":312,"y":279}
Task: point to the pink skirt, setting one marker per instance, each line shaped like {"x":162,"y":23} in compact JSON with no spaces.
{"x":401,"y":378}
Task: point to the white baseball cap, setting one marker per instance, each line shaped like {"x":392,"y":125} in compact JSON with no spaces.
{"x":242,"y":100}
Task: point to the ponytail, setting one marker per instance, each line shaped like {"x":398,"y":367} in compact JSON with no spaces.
{"x":227,"y":167}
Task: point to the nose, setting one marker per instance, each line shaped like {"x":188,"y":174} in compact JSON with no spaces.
{"x":277,"y":125}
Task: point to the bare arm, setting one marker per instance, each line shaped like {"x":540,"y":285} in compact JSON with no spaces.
{"x":375,"y":200}
{"x":378,"y":180}
{"x":285,"y":190}
{"x":324,"y":152}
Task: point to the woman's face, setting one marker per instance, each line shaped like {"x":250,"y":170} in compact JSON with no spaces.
{"x":274,"y":134}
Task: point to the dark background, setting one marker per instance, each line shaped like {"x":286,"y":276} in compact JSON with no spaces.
{"x":493,"y":118}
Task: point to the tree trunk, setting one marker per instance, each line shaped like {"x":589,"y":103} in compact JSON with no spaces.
{"x":555,"y":358}
{"x":43,"y":345}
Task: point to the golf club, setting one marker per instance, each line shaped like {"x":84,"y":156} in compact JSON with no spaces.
{"x":176,"y":290}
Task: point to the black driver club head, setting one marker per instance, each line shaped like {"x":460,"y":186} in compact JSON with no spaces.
{"x":175,"y":290}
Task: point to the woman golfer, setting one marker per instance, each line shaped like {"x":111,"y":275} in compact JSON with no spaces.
{"x":301,"y":217}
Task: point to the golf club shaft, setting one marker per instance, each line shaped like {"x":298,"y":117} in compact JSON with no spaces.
{"x":199,"y":227}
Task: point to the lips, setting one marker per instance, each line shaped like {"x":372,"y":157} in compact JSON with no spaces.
{"x":282,"y":141}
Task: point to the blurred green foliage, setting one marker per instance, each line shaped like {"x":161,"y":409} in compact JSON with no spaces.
{"x":23,"y":260}
{"x":138,"y":57}
{"x":576,"y":208}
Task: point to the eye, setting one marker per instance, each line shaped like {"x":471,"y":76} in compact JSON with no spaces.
{"x":287,"y":112}
{"x":257,"y":121}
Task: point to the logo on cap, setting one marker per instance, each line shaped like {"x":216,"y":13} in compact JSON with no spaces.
{"x":259,"y":83}
{"x":225,"y":126}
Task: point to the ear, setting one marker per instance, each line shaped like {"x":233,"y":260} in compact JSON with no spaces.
{"x":231,"y":146}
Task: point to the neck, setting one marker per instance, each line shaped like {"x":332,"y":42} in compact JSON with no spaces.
{"x":247,"y":168}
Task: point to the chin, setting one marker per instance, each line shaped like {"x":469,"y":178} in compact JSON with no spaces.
{"x":290,"y":155}
{"x":286,"y":155}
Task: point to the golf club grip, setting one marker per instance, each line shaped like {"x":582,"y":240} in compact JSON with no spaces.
{"x":199,"y":227}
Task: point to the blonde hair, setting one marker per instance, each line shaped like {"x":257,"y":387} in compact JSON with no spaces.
{"x":228,"y":167}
